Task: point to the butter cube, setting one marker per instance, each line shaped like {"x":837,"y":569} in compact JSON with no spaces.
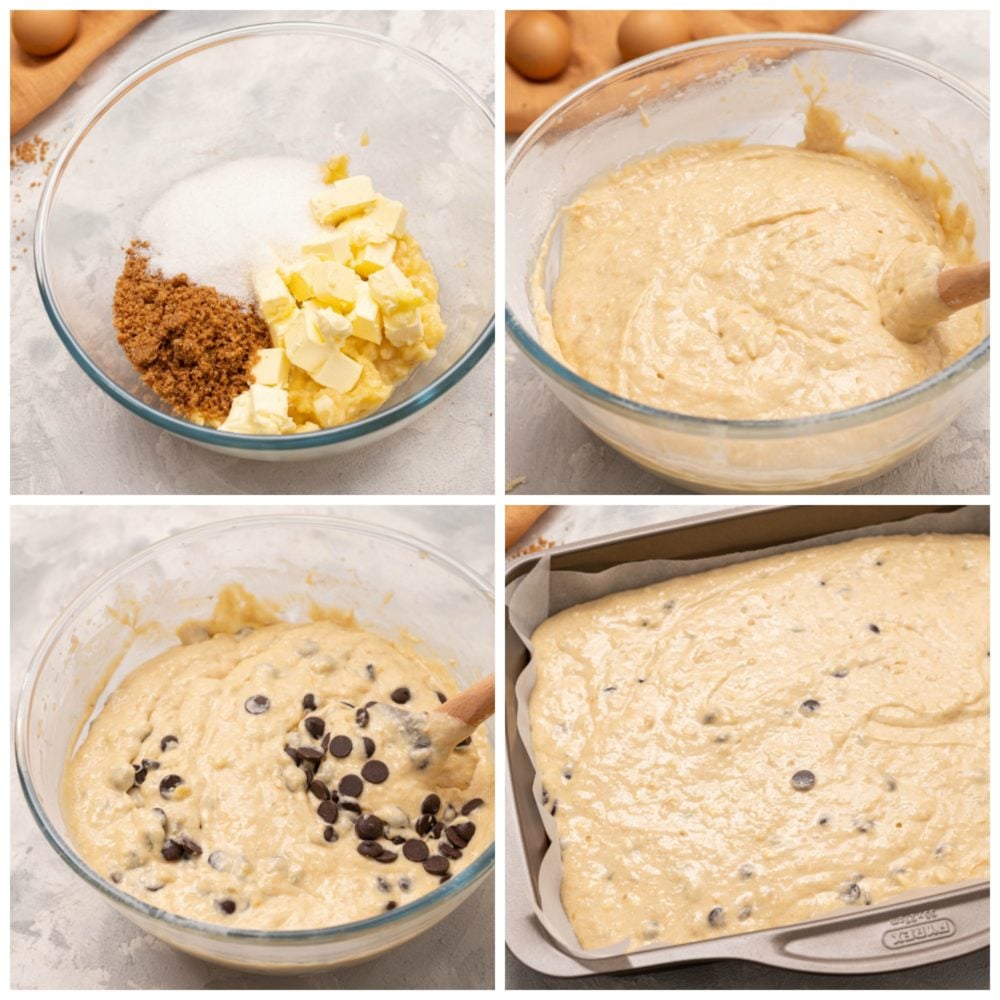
{"x":337,"y":247}
{"x":331,"y":327}
{"x":302,"y":331}
{"x":281,"y":328}
{"x":403,"y":328}
{"x":365,"y":319}
{"x":271,"y":367}
{"x":309,"y":356}
{"x":240,"y":417}
{"x":338,"y":372}
{"x":301,"y":276}
{"x":389,"y":215}
{"x":311,"y":312}
{"x":335,"y":285}
{"x":346,"y":197}
{"x":374,"y":256}
{"x":393,"y":291}
{"x":262,"y":409}
{"x":272,"y":296}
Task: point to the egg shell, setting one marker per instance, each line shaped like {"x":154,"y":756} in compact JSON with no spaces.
{"x":44,"y":32}
{"x":645,"y":31}
{"x":539,"y":45}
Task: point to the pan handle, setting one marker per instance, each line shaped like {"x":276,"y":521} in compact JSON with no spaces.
{"x":896,"y":935}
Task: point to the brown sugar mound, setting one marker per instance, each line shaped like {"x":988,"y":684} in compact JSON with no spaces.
{"x":192,"y":345}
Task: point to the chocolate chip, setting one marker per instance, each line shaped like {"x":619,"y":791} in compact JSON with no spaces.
{"x":416,"y":850}
{"x":745,"y":913}
{"x":361,"y":718}
{"x":390,"y":905}
{"x":351,"y":785}
{"x":383,"y":884}
{"x":190,"y":847}
{"x":823,"y":820}
{"x":160,"y":815}
{"x":716,"y":917}
{"x":401,"y":695}
{"x":167,"y":742}
{"x":171,"y":851}
{"x":258,"y":704}
{"x":851,"y":892}
{"x":404,"y":884}
{"x":329,"y":834}
{"x":154,"y":886}
{"x":294,"y":754}
{"x":139,"y":777}
{"x":369,"y":744}
{"x":370,"y":671}
{"x":328,"y":811}
{"x":809,"y":706}
{"x":431,"y":805}
{"x":437,"y":830}
{"x":610,"y":688}
{"x":441,"y":696}
{"x":436,"y":864}
{"x":802,"y":781}
{"x":467,"y":742}
{"x":226,"y":905}
{"x":315,"y":726}
{"x":169,"y":783}
{"x":875,"y":629}
{"x":863,"y":825}
{"x":150,"y":765}
{"x":443,"y":879}
{"x":398,"y":840}
{"x":312,"y":755}
{"x":471,"y":806}
{"x":455,"y":837}
{"x":319,"y":789}
{"x":217,"y":860}
{"x":449,"y":851}
{"x":386,"y":857}
{"x":368,"y":704}
{"x":347,"y":704}
{"x":746,"y":871}
{"x":941,"y":850}
{"x":351,"y":807}
{"x":424,"y":824}
{"x":708,"y":718}
{"x":309,"y":702}
{"x":116,"y":877}
{"x":341,"y":746}
{"x":369,"y":827}
{"x":369,"y":849}
{"x":375,"y":772}
{"x":466,"y":830}
{"x":890,"y":783}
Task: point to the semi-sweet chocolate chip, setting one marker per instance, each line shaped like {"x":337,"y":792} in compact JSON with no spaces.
{"x":369,"y":744}
{"x":168,"y":742}
{"x":169,"y":784}
{"x":809,"y":706}
{"x":401,"y":695}
{"x":802,"y":781}
{"x":319,"y":789}
{"x":375,"y":771}
{"x":226,"y":905}
{"x":341,"y":746}
{"x":471,"y":806}
{"x":436,"y":864}
{"x":351,"y":785}
{"x":314,"y":726}
{"x":258,"y":704}
{"x":431,"y":804}
{"x":716,"y":917}
{"x":309,"y":702}
{"x":328,"y":811}
{"x":369,"y":827}
{"x":416,"y":850}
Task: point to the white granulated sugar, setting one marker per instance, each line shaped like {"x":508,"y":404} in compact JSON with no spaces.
{"x":219,"y":225}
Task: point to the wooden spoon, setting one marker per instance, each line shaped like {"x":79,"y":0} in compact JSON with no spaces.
{"x":917,"y":293}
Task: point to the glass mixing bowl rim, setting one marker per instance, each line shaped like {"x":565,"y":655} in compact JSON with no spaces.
{"x":549,"y":365}
{"x":377,"y":421}
{"x":453,"y":887}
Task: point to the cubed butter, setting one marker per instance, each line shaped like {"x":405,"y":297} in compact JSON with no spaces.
{"x":346,"y":197}
{"x":389,"y":215}
{"x":302,"y":331}
{"x":403,"y":328}
{"x":337,"y":247}
{"x":365,"y":319}
{"x":333,"y":328}
{"x":300,"y":277}
{"x":338,"y":372}
{"x":275,"y":301}
{"x":393,"y":291}
{"x":271,"y":367}
{"x":309,"y":356}
{"x":335,"y":285}
{"x":373,"y":257}
{"x":280,"y":329}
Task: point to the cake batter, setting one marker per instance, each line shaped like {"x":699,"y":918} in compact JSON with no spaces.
{"x":742,"y":281}
{"x":263,"y":780}
{"x":766,"y":743}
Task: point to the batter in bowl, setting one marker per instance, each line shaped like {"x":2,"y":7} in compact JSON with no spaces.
{"x":765,"y":743}
{"x":263,"y":780}
{"x":742,"y":281}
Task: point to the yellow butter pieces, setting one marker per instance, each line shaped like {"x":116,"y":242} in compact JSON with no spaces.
{"x":275,"y":300}
{"x":345,"y":198}
{"x":262,"y":409}
{"x":271,"y":367}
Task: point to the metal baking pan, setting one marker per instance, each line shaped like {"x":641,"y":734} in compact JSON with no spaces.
{"x":898,"y":934}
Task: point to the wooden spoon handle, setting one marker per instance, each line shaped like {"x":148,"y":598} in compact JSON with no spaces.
{"x":964,"y":286}
{"x":473,"y":705}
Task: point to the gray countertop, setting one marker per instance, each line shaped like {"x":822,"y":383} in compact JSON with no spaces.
{"x":62,"y":935}
{"x":563,"y":525}
{"x":555,"y":453}
{"x":68,"y":436}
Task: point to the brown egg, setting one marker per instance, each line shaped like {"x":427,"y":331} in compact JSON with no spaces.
{"x":44,"y":32}
{"x":645,"y":31}
{"x":538,"y":45}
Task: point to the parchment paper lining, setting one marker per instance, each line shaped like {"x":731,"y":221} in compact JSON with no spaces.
{"x":543,"y":593}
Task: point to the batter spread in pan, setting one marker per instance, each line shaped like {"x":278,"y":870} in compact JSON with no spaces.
{"x":765,"y":743}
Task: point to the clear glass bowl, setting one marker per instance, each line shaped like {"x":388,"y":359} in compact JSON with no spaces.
{"x":299,"y":89}
{"x":891,"y":103}
{"x":131,"y":614}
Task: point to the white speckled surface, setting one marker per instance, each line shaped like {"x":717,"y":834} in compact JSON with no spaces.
{"x":62,"y":935}
{"x":69,"y":437}
{"x":564,"y":524}
{"x":555,"y":453}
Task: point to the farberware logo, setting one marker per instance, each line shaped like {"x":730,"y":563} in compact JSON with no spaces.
{"x":917,"y":928}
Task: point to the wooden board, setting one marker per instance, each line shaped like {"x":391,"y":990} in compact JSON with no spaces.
{"x":595,"y":49}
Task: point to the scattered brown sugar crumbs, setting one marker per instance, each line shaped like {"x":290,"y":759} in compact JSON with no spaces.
{"x":192,"y":345}
{"x":35,"y":150}
{"x":537,"y":546}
